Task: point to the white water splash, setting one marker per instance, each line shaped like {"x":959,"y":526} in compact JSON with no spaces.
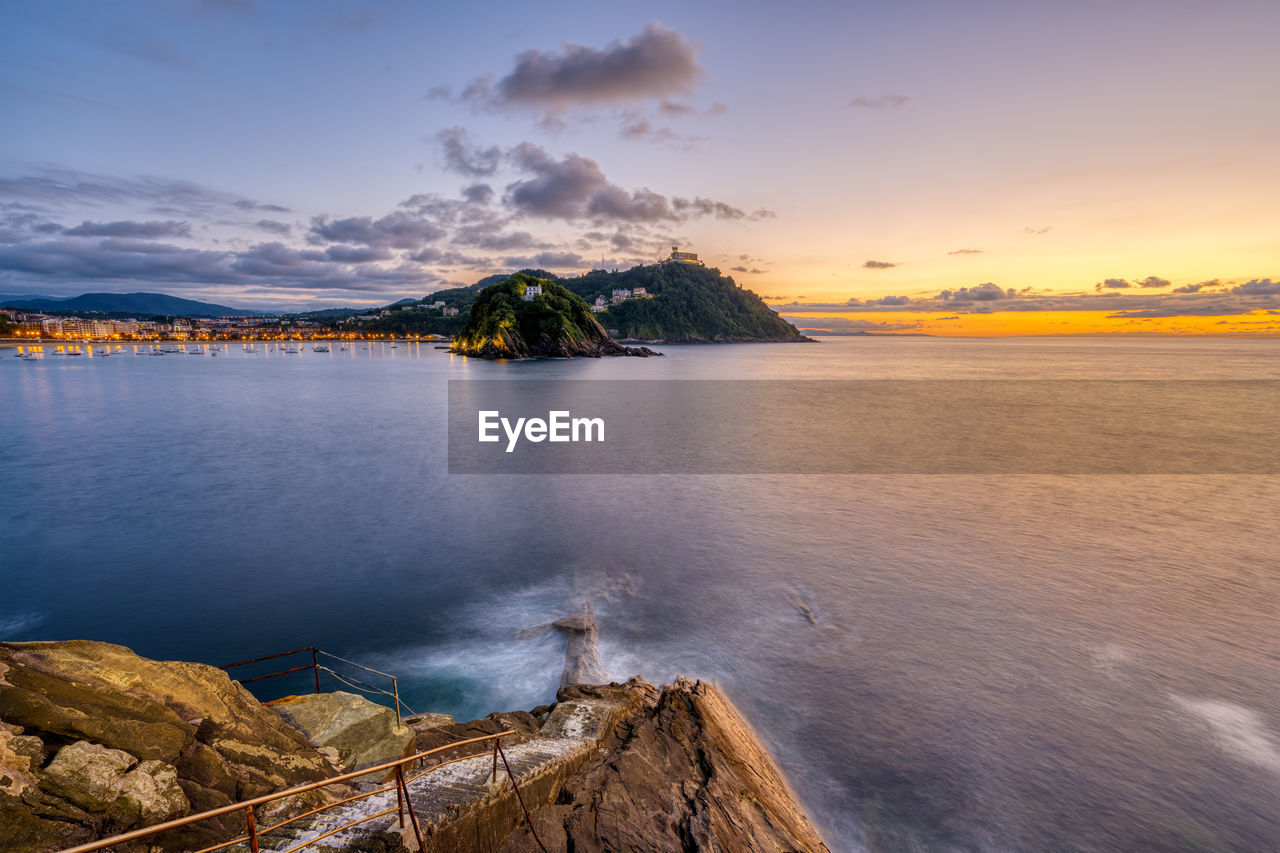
{"x":1237,"y":730}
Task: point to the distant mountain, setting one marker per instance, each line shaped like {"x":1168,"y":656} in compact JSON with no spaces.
{"x":130,"y":303}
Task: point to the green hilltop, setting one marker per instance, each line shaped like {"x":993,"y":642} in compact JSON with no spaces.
{"x":687,"y":303}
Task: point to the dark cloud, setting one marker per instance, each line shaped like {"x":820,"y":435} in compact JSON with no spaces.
{"x":398,"y":230}
{"x":707,"y":207}
{"x":246,"y":204}
{"x":144,"y":230}
{"x":464,"y":156}
{"x":676,"y":110}
{"x":1258,"y":287}
{"x":113,"y":260}
{"x":985,"y":292}
{"x":575,"y":188}
{"x":274,"y":226}
{"x":749,"y":270}
{"x":1175,"y":310}
{"x":878,"y":265}
{"x":59,"y":187}
{"x":478,"y":194}
{"x":966,"y":252}
{"x":357,"y":254}
{"x":880,"y":102}
{"x":848,"y":325}
{"x":483,"y":237}
{"x":889,"y":301}
{"x":657,"y":63}
{"x":1152,"y":281}
{"x":1111,"y":284}
{"x":548,"y":261}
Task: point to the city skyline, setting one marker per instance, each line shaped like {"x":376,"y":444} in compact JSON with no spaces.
{"x":977,"y":168}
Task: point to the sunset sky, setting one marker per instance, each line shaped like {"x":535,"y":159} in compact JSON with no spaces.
{"x":1022,"y":168}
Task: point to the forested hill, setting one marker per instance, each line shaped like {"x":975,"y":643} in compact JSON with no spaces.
{"x":689,"y":303}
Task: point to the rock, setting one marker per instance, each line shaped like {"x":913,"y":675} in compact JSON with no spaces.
{"x":150,"y":794}
{"x":203,"y":740}
{"x":364,"y":732}
{"x":681,"y":772}
{"x":581,"y":654}
{"x":87,"y":774}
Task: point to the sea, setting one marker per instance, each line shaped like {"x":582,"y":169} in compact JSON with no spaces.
{"x":938,"y":662}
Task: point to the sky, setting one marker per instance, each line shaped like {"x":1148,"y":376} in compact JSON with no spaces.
{"x":945,"y":167}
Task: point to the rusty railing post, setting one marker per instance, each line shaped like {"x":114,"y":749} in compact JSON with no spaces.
{"x":413,"y":816}
{"x":494,"y":776}
{"x":315,"y":665}
{"x":253,"y":829}
{"x":400,"y":795}
{"x":523,"y":807}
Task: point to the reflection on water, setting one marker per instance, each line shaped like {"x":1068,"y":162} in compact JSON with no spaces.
{"x":960,"y":662}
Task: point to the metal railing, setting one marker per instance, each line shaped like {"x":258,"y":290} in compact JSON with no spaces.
{"x":317,"y":667}
{"x":404,"y":803}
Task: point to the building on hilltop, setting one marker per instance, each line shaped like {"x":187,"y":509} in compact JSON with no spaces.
{"x":683,"y":257}
{"x":532,"y":290}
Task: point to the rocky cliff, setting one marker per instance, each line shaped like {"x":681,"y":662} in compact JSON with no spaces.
{"x":95,"y":740}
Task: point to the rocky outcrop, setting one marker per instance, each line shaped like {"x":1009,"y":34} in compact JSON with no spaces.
{"x":555,"y":323}
{"x":95,"y":740}
{"x":364,"y":733}
{"x":681,"y":771}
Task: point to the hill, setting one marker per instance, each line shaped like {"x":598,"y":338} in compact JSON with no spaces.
{"x":555,"y":322}
{"x":130,"y":303}
{"x":689,"y":304}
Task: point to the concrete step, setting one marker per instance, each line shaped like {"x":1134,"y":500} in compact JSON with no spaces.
{"x":441,"y":795}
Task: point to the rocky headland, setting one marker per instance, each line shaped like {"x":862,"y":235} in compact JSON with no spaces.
{"x":525,"y":317}
{"x":95,"y":740}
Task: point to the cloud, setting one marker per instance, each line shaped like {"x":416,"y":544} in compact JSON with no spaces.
{"x":275,"y":227}
{"x":880,"y":102}
{"x":478,"y":194}
{"x":966,"y":252}
{"x":147,"y":49}
{"x":751,"y":271}
{"x":1111,"y":284}
{"x":575,"y":188}
{"x":657,"y":63}
{"x":1152,"y":281}
{"x":398,"y":230}
{"x":547,"y":260}
{"x":889,"y":301}
{"x":462,"y":155}
{"x":878,"y":265}
{"x":985,"y":292}
{"x":247,"y":204}
{"x":848,"y":325}
{"x":1258,"y":287}
{"x":60,"y":187}
{"x":144,"y":230}
{"x":357,"y":254}
{"x":1045,"y":230}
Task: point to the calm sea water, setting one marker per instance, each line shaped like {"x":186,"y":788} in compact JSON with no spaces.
{"x":993,"y":663}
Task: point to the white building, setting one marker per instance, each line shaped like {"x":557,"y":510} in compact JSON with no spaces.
{"x":620,"y":294}
{"x":532,"y":290}
{"x":450,"y":312}
{"x":639,"y":293}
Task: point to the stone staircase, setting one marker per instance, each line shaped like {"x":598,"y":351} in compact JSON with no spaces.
{"x":460,"y":805}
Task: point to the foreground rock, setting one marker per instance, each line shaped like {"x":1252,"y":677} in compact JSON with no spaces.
{"x":364,"y":733}
{"x":680,"y":771}
{"x":95,"y":741}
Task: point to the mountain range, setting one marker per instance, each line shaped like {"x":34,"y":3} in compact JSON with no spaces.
{"x":125,"y":303}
